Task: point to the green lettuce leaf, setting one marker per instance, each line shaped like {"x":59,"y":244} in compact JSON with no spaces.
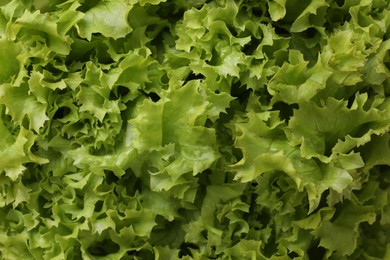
{"x":221,"y":129}
{"x":108,"y":18}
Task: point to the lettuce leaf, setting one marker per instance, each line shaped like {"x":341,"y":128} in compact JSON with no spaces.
{"x":222,"y":129}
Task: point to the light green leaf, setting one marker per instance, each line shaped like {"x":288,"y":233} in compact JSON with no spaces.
{"x":19,"y":103}
{"x":319,"y":128}
{"x":44,"y":27}
{"x":108,"y":18}
{"x":295,"y":82}
{"x":8,"y":55}
{"x":277,"y":9}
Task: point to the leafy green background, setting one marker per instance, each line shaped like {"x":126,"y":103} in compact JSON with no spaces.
{"x":152,"y":129}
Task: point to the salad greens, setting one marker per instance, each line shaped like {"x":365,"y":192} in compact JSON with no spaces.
{"x":194,"y":129}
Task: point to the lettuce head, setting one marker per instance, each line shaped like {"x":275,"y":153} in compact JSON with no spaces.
{"x":174,"y":129}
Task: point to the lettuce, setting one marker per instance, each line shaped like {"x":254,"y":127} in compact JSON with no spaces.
{"x":194,"y":129}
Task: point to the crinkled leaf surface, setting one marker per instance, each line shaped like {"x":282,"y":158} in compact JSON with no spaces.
{"x":222,"y":129}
